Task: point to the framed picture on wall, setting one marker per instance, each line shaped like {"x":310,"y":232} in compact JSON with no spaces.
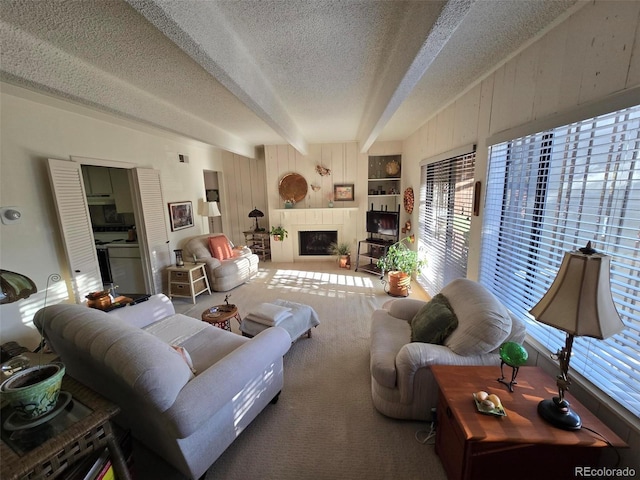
{"x":343,"y":192}
{"x":213,"y":195}
{"x":181,"y":215}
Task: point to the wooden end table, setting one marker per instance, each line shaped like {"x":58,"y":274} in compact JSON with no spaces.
{"x":519,"y":445}
{"x":219,"y":316}
{"x":188,"y":280}
{"x":58,"y":451}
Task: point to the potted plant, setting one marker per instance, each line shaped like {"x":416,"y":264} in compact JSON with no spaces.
{"x":400,"y":263}
{"x":278,"y":233}
{"x":342,"y":251}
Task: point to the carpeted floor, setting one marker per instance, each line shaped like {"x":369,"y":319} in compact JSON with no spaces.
{"x":324,"y":425}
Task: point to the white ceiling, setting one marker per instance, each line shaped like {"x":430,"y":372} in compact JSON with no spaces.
{"x":242,"y":73}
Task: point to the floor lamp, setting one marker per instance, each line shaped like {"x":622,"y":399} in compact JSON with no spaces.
{"x":579,"y":303}
{"x":210,"y":209}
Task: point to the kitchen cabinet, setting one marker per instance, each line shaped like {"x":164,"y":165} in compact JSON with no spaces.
{"x":126,"y":268}
{"x":97,"y":180}
{"x":121,"y":190}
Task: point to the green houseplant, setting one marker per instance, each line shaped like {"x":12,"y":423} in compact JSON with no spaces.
{"x":278,"y":233}
{"x":342,"y":251}
{"x":400,"y":263}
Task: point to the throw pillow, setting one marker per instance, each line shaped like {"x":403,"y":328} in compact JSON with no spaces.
{"x":434,"y":322}
{"x":185,"y":356}
{"x":220,"y":247}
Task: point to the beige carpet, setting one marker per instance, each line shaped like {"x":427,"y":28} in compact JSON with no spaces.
{"x":324,"y":425}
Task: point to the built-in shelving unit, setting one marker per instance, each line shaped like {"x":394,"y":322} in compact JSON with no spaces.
{"x":383,"y":183}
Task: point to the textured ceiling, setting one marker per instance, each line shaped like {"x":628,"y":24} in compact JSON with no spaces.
{"x":243,"y":73}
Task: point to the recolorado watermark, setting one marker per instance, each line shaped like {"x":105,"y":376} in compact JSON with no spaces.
{"x":604,"y":472}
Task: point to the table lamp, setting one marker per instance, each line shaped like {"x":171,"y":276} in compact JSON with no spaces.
{"x":578,"y":302}
{"x":255,"y":213}
{"x":15,"y":286}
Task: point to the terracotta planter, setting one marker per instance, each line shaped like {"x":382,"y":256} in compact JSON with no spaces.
{"x":343,"y":261}
{"x":398,"y":284}
{"x":277,"y":238}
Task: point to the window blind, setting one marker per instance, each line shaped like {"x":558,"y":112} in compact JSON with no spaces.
{"x":446,"y":203}
{"x":552,"y":192}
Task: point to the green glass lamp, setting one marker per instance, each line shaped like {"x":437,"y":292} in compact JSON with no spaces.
{"x":514,"y":355}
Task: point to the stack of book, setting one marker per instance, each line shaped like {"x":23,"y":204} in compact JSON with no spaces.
{"x":98,"y":466}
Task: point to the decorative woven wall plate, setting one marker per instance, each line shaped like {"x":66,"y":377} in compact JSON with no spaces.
{"x":293,"y":186}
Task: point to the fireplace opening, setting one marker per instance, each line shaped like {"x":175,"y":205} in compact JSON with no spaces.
{"x":316,"y":242}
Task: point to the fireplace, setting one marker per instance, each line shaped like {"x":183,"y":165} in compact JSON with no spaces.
{"x":316,"y":242}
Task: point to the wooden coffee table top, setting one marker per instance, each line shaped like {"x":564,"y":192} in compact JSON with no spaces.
{"x":222,"y":313}
{"x":522,"y":424}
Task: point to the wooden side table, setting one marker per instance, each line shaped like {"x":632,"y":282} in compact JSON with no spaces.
{"x":188,"y":281}
{"x":219,"y":316}
{"x":259,"y":243}
{"x":56,"y":454}
{"x":519,"y":445}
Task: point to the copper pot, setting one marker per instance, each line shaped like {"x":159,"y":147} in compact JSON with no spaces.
{"x":99,"y":300}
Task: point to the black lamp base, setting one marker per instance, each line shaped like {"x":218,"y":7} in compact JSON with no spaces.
{"x":559,"y":414}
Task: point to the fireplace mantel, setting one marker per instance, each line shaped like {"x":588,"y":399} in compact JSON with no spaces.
{"x":288,"y":210}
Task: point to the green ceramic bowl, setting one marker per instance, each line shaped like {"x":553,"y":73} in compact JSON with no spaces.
{"x":34,"y":391}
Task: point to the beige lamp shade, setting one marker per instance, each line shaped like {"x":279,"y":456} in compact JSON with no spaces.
{"x":212,"y":209}
{"x":15,"y":286}
{"x":579,"y":300}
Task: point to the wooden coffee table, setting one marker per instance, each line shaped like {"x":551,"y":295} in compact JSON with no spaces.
{"x":519,"y":445}
{"x":219,"y":315}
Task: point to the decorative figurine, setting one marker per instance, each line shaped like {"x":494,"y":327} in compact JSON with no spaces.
{"x":514,"y":355}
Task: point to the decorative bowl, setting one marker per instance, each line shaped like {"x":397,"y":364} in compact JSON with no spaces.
{"x":33,"y":392}
{"x":392,"y":168}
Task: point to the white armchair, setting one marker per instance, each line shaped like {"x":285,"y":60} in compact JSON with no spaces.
{"x":401,"y":380}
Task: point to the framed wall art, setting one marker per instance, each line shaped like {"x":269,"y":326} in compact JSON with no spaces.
{"x":213,"y":195}
{"x":181,"y":215}
{"x":343,"y":192}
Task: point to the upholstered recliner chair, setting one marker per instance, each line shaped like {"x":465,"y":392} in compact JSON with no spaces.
{"x":226,"y":266}
{"x":401,"y":380}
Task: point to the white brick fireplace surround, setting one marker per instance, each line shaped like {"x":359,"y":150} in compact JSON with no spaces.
{"x":294,"y":220}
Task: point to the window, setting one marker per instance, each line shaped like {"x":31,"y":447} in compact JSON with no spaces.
{"x":446,"y":203}
{"x":551,"y":192}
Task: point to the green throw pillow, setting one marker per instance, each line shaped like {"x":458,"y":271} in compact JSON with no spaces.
{"x":434,"y":322}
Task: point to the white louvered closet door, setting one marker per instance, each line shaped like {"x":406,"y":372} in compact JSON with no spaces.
{"x":152,"y":230}
{"x":75,"y":224}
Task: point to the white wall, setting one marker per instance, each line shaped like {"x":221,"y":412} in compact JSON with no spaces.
{"x":36,"y":127}
{"x":587,"y":65}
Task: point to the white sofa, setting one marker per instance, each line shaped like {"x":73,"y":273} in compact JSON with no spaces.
{"x":224,"y":274}
{"x":401,"y":380}
{"x":126,"y":356}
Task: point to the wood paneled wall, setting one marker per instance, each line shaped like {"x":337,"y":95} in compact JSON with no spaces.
{"x":577,"y":68}
{"x":243,"y":188}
